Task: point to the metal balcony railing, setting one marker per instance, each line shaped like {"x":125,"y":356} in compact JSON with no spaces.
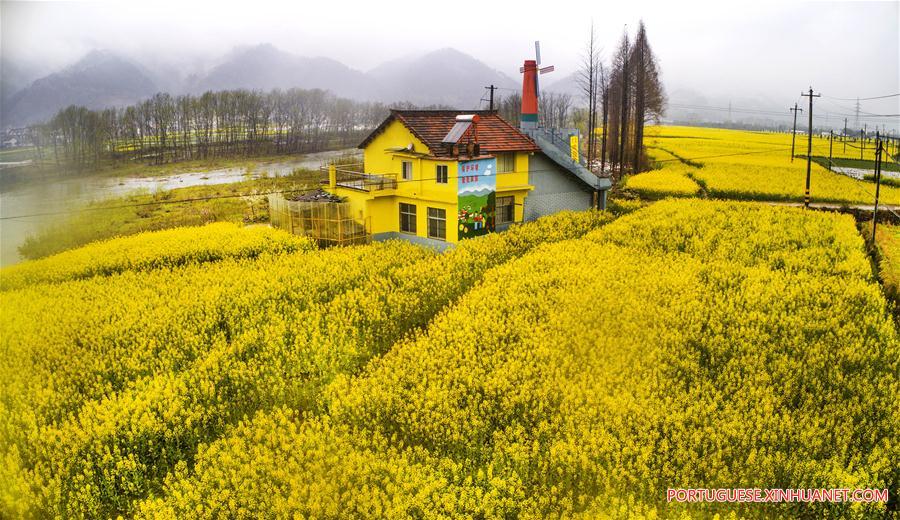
{"x":363,"y":181}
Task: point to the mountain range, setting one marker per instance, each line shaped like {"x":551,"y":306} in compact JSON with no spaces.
{"x":100,"y":79}
{"x":105,"y":79}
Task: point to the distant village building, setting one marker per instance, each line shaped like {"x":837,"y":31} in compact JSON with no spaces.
{"x":439,"y":176}
{"x":17,"y":137}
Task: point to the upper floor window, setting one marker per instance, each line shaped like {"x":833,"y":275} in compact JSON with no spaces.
{"x":440,"y":176}
{"x":506,"y":162}
{"x":406,"y":170}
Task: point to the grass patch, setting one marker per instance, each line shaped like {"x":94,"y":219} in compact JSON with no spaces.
{"x":853,"y":163}
{"x":887,"y":181}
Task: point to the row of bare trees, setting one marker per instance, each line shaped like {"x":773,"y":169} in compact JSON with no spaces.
{"x":232,"y":123}
{"x":557,"y":110}
{"x":622,"y":96}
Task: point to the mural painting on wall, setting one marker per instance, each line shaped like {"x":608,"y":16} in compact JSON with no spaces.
{"x":476,"y":197}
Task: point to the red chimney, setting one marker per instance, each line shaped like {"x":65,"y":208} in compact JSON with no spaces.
{"x":529,"y":116}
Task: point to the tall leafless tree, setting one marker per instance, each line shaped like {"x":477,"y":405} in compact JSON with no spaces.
{"x":589,"y":79}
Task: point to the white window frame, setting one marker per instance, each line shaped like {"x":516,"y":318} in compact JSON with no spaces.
{"x":406,"y":172}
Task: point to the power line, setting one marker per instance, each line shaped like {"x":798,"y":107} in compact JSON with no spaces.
{"x":862,"y":99}
{"x":870,"y":117}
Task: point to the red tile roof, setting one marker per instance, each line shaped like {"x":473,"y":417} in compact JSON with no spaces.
{"x":495,"y":135}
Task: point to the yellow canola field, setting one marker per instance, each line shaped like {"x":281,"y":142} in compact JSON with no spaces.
{"x":111,"y":382}
{"x":154,"y":250}
{"x":688,"y":344}
{"x":744,"y":165}
{"x":887,"y":242}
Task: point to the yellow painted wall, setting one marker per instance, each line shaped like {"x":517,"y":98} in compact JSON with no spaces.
{"x":517,"y":179}
{"x":382,"y":208}
{"x":378,"y":161}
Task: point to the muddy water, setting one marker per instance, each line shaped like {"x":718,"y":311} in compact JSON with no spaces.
{"x":29,"y":200}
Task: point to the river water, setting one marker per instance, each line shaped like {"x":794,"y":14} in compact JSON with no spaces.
{"x":24,"y":199}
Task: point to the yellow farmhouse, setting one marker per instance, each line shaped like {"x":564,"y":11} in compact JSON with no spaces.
{"x":438,"y":176}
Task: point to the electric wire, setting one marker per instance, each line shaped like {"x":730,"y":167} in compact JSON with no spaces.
{"x":862,"y":99}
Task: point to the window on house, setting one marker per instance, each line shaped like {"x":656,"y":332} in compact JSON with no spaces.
{"x":506,"y":210}
{"x":406,"y":169}
{"x":437,"y":223}
{"x":506,"y":162}
{"x":441,"y":174}
{"x":407,"y":218}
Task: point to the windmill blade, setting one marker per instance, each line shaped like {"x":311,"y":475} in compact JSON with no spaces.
{"x":537,"y":52}
{"x":547,"y":69}
{"x":521,"y":69}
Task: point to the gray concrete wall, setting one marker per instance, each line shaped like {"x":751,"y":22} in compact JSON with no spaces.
{"x":440,"y":245}
{"x":554,"y":189}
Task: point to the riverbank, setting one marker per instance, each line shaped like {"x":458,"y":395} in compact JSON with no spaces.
{"x":29,"y":171}
{"x":46,"y":216}
{"x":239,"y":202}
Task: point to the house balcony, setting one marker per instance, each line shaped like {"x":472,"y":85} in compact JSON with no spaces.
{"x":366,"y":182}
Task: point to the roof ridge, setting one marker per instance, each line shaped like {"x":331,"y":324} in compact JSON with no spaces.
{"x":431,"y":125}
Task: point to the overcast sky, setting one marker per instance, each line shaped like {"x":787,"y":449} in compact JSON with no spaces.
{"x":720,"y":49}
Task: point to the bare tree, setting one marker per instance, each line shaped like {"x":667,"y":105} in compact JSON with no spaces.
{"x":623,"y":55}
{"x":604,"y":102}
{"x":510,"y":107}
{"x":588,"y":80}
{"x":214,"y":124}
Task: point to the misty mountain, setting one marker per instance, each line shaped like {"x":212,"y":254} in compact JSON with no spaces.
{"x":103,"y":79}
{"x":15,"y":76}
{"x":565,"y":85}
{"x":444,"y":77}
{"x":263,"y":67}
{"x":100,"y":79}
{"x":688,"y":105}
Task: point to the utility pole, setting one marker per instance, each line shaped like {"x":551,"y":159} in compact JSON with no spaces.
{"x":844,"y":137}
{"x":877,"y":184}
{"x":492,"y":88}
{"x":830,"y":147}
{"x":794,"y":131}
{"x":809,"y":145}
{"x":862,"y":144}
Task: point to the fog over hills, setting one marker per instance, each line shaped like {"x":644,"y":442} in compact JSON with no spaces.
{"x":446,"y":76}
{"x":104,"y":79}
{"x":98,"y":80}
{"x":264,"y":67}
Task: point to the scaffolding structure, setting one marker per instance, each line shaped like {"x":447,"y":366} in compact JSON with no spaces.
{"x":328,"y":223}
